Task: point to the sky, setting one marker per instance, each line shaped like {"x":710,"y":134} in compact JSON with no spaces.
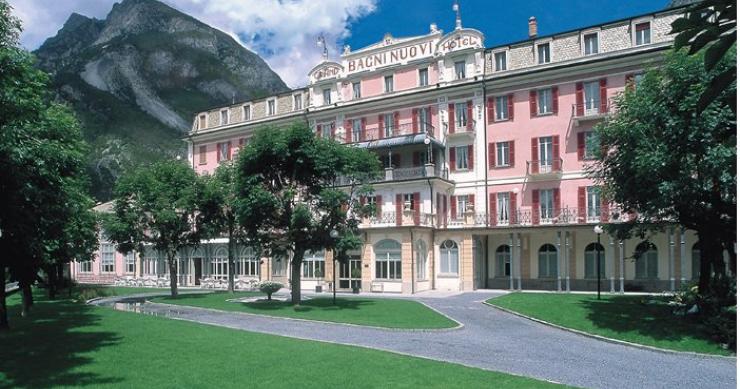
{"x":284,"y":32}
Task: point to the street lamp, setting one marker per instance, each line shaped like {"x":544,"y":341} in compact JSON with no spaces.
{"x":334,"y":234}
{"x":598,"y":231}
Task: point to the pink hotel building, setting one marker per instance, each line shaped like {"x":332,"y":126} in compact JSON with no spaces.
{"x":484,"y":152}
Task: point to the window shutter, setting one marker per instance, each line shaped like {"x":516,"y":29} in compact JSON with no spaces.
{"x":202,"y":154}
{"x":396,"y":123}
{"x":379,"y":206}
{"x":452,"y":159}
{"x":228,"y":152}
{"x":453,"y":207}
{"x":470,"y":115}
{"x":581,"y":145}
{"x":363,"y":130}
{"x":555,"y":100}
{"x":556,"y":153}
{"x":451,"y":118}
{"x":511,"y":153}
{"x":348,"y":131}
{"x":492,"y":208}
{"x":535,"y":206}
{"x":399,"y":209}
{"x":510,"y":102}
{"x":417,"y":159}
{"x":381,"y":126}
{"x":417,"y":208}
{"x":428,"y":121}
{"x":490,"y":111}
{"x":471,"y":201}
{"x":556,"y":200}
{"x":629,"y":81}
{"x":415,"y":120}
{"x":333,"y":130}
{"x":318,"y":130}
{"x":444,"y":211}
{"x":218,"y":152}
{"x":491,"y":155}
{"x":535,"y":163}
{"x":602,"y":92}
{"x":579,"y":99}
{"x":439,"y":209}
{"x":581,"y":204}
{"x":532,"y":103}
{"x":512,"y":208}
{"x":471,"y":158}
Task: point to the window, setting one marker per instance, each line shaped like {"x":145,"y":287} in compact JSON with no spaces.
{"x":547,"y":261}
{"x":646,"y":260}
{"x":130,"y":262}
{"x":459,"y":70}
{"x":388,"y":81}
{"x":546,"y":154}
{"x":224,"y":117}
{"x":356,"y":130}
{"x":461,"y":115}
{"x":278,"y":266}
{"x":224,"y":152}
{"x":461,"y":157}
{"x":372,"y":201}
{"x":356,"y":91}
{"x":462,"y":206}
{"x":592,"y":145}
{"x":107,"y":258}
{"x":313,"y":265}
{"x":248,"y":263}
{"x":503,"y":261}
{"x":503,"y":206}
{"x":408,"y":202}
{"x":593,"y":251}
{"x":593,"y":204}
{"x":547,"y":205}
{"x":220,"y":264}
{"x":388,"y":125}
{"x":85,"y":267}
{"x":544,"y":101}
{"x":271,"y":107}
{"x":543,"y":53}
{"x":326,"y":130}
{"x":423,"y":77}
{"x":448,"y":257}
{"x":502,"y":108}
{"x":202,"y":123}
{"x":202,"y":155}
{"x":591,"y":97}
{"x":500,"y":59}
{"x":421,"y":260}
{"x":297,"y":102}
{"x":327,"y":96}
{"x":638,"y":78}
{"x":642,"y":33}
{"x":388,"y":260}
{"x":425,"y":119}
{"x":591,"y":44}
{"x":695,"y":261}
{"x":247,"y":111}
{"x":502,"y":154}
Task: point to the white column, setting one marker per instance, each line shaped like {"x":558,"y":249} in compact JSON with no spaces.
{"x":560,"y":259}
{"x":671,"y":247}
{"x":621,"y":266}
{"x":567,"y":261}
{"x":685,"y":274}
{"x":610,"y":263}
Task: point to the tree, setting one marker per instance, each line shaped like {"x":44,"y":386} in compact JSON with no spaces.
{"x":157,"y":206}
{"x":288,"y":202}
{"x":669,"y":162}
{"x":711,"y":24}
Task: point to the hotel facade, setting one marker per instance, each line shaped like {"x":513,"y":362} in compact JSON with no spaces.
{"x":483,"y":149}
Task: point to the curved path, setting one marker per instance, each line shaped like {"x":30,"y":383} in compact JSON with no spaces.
{"x":494,"y":340}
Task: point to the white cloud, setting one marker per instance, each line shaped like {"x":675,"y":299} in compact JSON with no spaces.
{"x":283,"y":32}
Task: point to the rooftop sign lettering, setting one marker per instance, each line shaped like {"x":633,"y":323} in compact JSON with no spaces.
{"x":390,"y":57}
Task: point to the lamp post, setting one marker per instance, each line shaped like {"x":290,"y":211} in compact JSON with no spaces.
{"x":334,"y":235}
{"x":598,"y":231}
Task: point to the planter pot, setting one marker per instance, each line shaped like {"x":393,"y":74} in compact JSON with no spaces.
{"x":319,"y":288}
{"x":356,"y":290}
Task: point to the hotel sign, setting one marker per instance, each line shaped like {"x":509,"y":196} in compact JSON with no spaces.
{"x":462,"y":40}
{"x":394,"y":56}
{"x":325,"y":70}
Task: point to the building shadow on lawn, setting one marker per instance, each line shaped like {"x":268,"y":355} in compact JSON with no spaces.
{"x":324,"y":304}
{"x":42,"y":350}
{"x":632,"y":314}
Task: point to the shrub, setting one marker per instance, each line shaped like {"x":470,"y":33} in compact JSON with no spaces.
{"x":86,"y":293}
{"x":269,"y":287}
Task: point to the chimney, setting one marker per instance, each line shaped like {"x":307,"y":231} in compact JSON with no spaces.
{"x":532,"y":27}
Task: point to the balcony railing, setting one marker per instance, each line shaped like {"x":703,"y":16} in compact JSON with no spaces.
{"x":408,"y":218}
{"x":566,"y":215}
{"x":461,"y":127}
{"x":591,"y":111}
{"x":377,"y":133}
{"x":545,"y":167}
{"x":403,"y":173}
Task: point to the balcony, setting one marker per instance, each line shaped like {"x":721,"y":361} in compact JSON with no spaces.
{"x":464,"y":129}
{"x":562,"y":216}
{"x":403,"y":174}
{"x":408,"y":218}
{"x":377,"y":133}
{"x":590,"y":112}
{"x":541,"y":170}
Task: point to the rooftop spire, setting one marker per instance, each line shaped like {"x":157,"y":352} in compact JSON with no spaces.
{"x":321,"y":42}
{"x":458,"y":20}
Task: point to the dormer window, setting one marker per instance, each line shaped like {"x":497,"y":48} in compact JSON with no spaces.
{"x":460,"y":70}
{"x":356,"y":91}
{"x":297,"y":102}
{"x":642,"y":33}
{"x":270,"y":107}
{"x":202,"y":122}
{"x":591,"y":44}
{"x":500,"y":61}
{"x":423,"y":77}
{"x":224,"y":117}
{"x":543,"y":53}
{"x":327,"y":96}
{"x":388,"y":82}
{"x":247,"y":112}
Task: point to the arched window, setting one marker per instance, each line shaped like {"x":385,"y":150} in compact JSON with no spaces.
{"x":248,"y":263}
{"x":593,"y":251}
{"x":548,"y":261}
{"x":503,"y":261}
{"x":421,"y":260}
{"x":279,"y":264}
{"x":313,"y":264}
{"x":449,"y":257}
{"x":695,"y":261}
{"x":149,"y":262}
{"x":646,"y":260}
{"x":219,"y":263}
{"x":388,"y":260}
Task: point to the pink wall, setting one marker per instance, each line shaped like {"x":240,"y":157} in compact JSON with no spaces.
{"x":405,"y":117}
{"x":211,"y":155}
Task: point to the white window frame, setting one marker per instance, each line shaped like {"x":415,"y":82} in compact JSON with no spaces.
{"x":547,"y":272}
{"x":271,"y":107}
{"x":461,"y":157}
{"x":594,"y":101}
{"x":248,"y":263}
{"x":203,"y":121}
{"x":545,"y":154}
{"x":502,"y":108}
{"x":544,"y":107}
{"x":388,"y":263}
{"x":129,"y":260}
{"x":590,"y":151}
{"x":461,"y":115}
{"x":388,"y":88}
{"x":107,"y":258}
{"x":387,"y":125}
{"x":547,"y":206}
{"x":458,"y":74}
{"x":246,"y":112}
{"x":223,"y":151}
{"x":496,"y":67}
{"x":356,"y":130}
{"x":635,"y":23}
{"x":593,"y":204}
{"x":502,"y":154}
{"x":540,"y":60}
{"x":85,"y":266}
{"x":424,"y":114}
{"x":224,"y":117}
{"x":326,"y":95}
{"x":297,"y":101}
{"x":503,"y":208}
{"x":462,"y":205}
{"x":312,"y":262}
{"x":449,"y":258}
{"x":356,"y":92}
{"x":419,"y":78}
{"x":586,"y":47}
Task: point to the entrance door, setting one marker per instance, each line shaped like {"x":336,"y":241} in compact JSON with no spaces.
{"x":346,"y":281}
{"x":198,"y":264}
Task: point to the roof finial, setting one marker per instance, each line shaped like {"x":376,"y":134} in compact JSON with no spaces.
{"x":321,"y":42}
{"x":458,"y":20}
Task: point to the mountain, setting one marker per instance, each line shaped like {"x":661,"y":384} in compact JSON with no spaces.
{"x":136,"y":79}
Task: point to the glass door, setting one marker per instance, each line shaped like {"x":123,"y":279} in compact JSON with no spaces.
{"x":346,"y":279}
{"x":545,"y":154}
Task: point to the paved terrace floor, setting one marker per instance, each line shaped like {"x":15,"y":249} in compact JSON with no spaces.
{"x":494,"y":340}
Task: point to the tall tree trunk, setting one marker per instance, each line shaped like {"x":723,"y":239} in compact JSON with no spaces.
{"x":730,"y":247}
{"x":230,"y":258}
{"x":173,"y":272}
{"x":59,"y":268}
{"x":705,"y":262}
{"x":51,"y":279}
{"x":3,"y":305}
{"x":26,"y":298}
{"x":295,"y":276}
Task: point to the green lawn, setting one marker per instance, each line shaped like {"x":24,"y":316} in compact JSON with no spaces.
{"x":381,"y":312}
{"x":65,"y":344}
{"x":619,"y":317}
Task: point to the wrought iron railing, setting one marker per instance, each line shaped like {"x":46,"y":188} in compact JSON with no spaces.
{"x":554,"y":165}
{"x":386,"y":131}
